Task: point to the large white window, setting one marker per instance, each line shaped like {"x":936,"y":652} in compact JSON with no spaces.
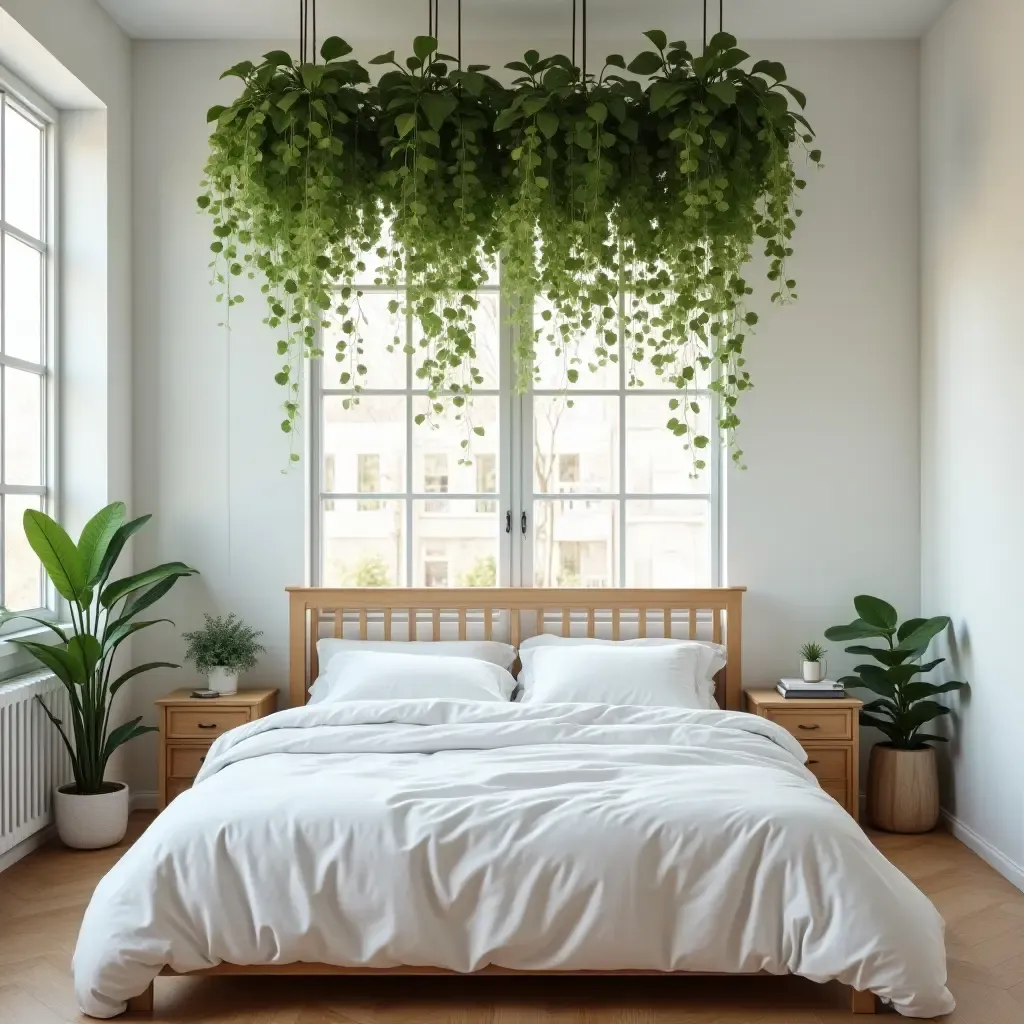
{"x":26,"y":350}
{"x":571,"y":484}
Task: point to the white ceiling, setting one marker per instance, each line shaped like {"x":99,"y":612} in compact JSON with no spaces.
{"x":381,"y":19}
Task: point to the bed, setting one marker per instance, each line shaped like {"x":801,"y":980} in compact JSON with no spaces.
{"x":440,"y":836}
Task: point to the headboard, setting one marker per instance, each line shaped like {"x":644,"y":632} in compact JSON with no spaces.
{"x":511,"y":614}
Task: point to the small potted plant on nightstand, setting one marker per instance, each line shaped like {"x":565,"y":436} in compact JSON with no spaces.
{"x":223,"y":648}
{"x":903,"y":788}
{"x":813,"y":667}
{"x":91,"y":812}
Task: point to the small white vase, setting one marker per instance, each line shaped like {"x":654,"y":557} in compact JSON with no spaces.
{"x":812,"y":671}
{"x":91,"y":821}
{"x":223,"y":680}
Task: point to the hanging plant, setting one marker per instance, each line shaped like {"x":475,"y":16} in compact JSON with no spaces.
{"x":607,"y":195}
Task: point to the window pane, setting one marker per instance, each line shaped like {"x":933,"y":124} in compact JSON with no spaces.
{"x":23,"y":427}
{"x":575,"y":448}
{"x":639,"y":371}
{"x":575,"y":543}
{"x":383,"y":344}
{"x":668,"y":544}
{"x":657,"y":462}
{"x":23,"y":580}
{"x":375,"y":425}
{"x":454,"y":546}
{"x":364,"y":543}
{"x":571,"y":365}
{"x":487,"y":318}
{"x":23,"y":302}
{"x":440,"y":439}
{"x":23,"y":173}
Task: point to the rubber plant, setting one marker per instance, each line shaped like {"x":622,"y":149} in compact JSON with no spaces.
{"x":904,"y":703}
{"x":614,"y":199}
{"x":104,"y":614}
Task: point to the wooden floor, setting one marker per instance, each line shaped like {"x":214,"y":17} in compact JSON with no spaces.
{"x":43,"y":896}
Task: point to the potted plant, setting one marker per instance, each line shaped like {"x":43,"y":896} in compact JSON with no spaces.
{"x":813,"y":667}
{"x":222,"y":649}
{"x":91,"y":812}
{"x":903,"y":789}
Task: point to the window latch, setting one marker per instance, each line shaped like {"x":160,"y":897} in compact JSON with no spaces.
{"x":508,"y":521}
{"x":522,"y":524}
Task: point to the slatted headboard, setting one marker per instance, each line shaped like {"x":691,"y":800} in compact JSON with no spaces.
{"x":511,"y":614}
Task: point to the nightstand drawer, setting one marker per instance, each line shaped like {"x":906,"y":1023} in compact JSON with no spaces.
{"x":185,"y":762}
{"x":829,"y":764}
{"x":203,"y":723}
{"x":814,"y":723}
{"x":838,"y":792}
{"x":175,"y":787}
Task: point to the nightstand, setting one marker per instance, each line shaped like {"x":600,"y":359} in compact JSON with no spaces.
{"x":829,"y":730}
{"x":189,"y":725}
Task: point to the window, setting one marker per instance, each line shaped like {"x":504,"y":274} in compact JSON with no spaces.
{"x":584,"y":487}
{"x":26,"y":290}
{"x":368,"y":481}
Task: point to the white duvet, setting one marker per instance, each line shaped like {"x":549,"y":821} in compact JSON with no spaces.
{"x":535,"y":837}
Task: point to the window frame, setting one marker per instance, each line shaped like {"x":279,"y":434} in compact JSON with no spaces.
{"x":29,"y":104}
{"x":515,"y":496}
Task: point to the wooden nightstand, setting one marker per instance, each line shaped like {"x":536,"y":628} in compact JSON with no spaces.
{"x":189,"y":725}
{"x":829,"y":730}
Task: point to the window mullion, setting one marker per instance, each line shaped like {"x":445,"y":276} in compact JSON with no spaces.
{"x":408,"y":448}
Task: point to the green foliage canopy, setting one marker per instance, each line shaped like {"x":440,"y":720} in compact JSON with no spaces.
{"x":637,"y":195}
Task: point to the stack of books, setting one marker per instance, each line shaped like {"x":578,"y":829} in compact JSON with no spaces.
{"x":824,"y":688}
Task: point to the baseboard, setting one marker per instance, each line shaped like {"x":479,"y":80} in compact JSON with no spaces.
{"x":1010,"y":870}
{"x":142,"y":800}
{"x":26,"y":846}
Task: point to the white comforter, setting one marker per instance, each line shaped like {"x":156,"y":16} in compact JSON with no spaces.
{"x":536,"y":837}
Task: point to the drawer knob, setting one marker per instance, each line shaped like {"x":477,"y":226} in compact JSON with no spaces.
{"x":213,"y":725}
{"x":813,"y":761}
{"x":202,"y":759}
{"x":810,"y":728}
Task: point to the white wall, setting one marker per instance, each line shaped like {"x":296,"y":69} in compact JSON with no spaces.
{"x":835,"y":404}
{"x":972,"y":415}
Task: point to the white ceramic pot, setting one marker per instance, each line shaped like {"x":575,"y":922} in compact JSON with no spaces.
{"x":812,"y":671}
{"x":223,"y":680}
{"x":91,"y":821}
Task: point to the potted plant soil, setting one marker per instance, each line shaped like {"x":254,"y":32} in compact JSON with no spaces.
{"x":92,"y":812}
{"x":903,"y":789}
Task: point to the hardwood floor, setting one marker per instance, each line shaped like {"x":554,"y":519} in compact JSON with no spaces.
{"x":43,"y":896}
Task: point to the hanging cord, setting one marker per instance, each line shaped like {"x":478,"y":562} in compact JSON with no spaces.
{"x":458,"y":39}
{"x":574,"y":34}
{"x":302,"y":31}
{"x":705,"y":46}
{"x":430,"y":17}
{"x":721,"y":15}
{"x":583,"y":43}
{"x":437,"y":20}
{"x":313,"y":53}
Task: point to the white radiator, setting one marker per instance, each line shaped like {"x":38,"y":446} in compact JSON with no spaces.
{"x":32,"y":756}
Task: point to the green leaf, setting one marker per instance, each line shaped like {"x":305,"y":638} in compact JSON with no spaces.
{"x":506,"y":119}
{"x":383,"y":58}
{"x":96,"y":537}
{"x":116,"y":545}
{"x":923,"y":635}
{"x":124,"y":733}
{"x":149,"y":597}
{"x":289,"y":99}
{"x":125,"y":630}
{"x":215,"y":111}
{"x":645,"y":63}
{"x":84,"y":651}
{"x":424,"y":46}
{"x":797,"y":95}
{"x":876,"y":612}
{"x":437,"y":107}
{"x":771,"y":68}
{"x":908,"y":627}
{"x":856,"y":630}
{"x":137,"y":671}
{"x":278,"y":58}
{"x":616,"y":60}
{"x":7,"y":616}
{"x":56,"y":659}
{"x":657,"y":37}
{"x":334,"y":47}
{"x":241,"y":70}
{"x":662,"y":92}
{"x":404,"y":124}
{"x":924,"y":711}
{"x":113,"y":593}
{"x":57,"y":551}
{"x":547,"y":122}
{"x":725,"y":91}
{"x":597,"y":112}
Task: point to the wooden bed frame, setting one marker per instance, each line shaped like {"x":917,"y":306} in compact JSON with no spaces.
{"x":510,"y":614}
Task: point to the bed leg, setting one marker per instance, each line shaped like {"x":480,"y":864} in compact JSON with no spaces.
{"x":142,"y":1004}
{"x":863,"y":1002}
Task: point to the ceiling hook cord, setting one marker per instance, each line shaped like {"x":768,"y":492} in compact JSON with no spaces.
{"x":583,"y":45}
{"x":458,"y":38}
{"x":574,"y":35}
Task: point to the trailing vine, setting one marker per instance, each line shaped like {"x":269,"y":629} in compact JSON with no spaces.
{"x":636,"y":194}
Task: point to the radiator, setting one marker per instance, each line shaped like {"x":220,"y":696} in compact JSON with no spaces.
{"x":32,"y":756}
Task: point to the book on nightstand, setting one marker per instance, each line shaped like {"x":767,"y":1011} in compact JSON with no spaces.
{"x":821,"y":690}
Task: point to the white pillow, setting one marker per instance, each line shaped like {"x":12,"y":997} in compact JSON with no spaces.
{"x":710,"y":656}
{"x":374,"y":675}
{"x":482,"y":650}
{"x":662,"y":676}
